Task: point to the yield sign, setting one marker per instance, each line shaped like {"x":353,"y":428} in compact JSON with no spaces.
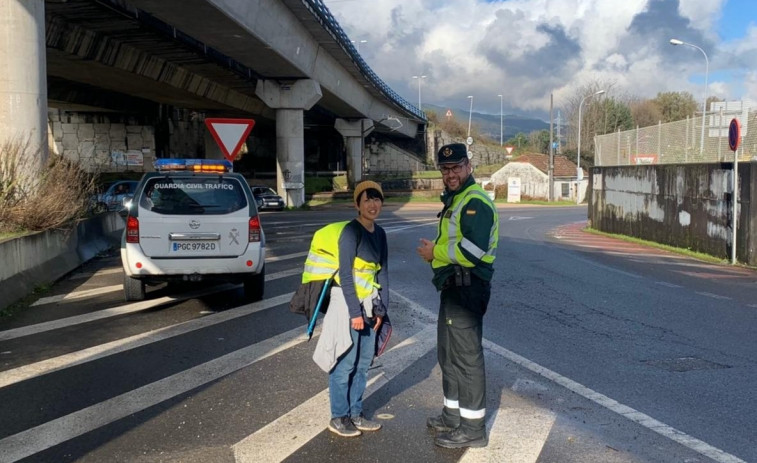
{"x":229,"y":134}
{"x":509,"y":149}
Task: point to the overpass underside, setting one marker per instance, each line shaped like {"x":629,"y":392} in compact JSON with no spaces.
{"x":161,"y":64}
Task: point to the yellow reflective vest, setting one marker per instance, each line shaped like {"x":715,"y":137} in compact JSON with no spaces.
{"x":323,"y":261}
{"x":451,"y":240}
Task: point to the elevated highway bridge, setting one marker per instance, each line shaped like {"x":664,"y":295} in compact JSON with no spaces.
{"x":287,"y":64}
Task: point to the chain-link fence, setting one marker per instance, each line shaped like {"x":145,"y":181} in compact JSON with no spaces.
{"x":679,"y":142}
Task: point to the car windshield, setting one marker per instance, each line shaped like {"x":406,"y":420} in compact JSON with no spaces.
{"x":191,"y":195}
{"x":259,"y":191}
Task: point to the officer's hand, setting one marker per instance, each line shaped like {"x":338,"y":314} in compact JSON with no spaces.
{"x":426,"y":250}
{"x":378,"y":324}
{"x":357,"y":323}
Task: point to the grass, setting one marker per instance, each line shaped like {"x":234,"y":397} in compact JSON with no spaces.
{"x":681,"y":251}
{"x":20,"y":305}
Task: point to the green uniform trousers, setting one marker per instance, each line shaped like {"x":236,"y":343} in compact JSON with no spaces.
{"x":461,"y":355}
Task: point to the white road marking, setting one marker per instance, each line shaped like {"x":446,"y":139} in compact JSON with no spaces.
{"x":78,"y":294}
{"x":648,"y":422}
{"x":128,"y":308}
{"x":713,"y":296}
{"x":47,"y":435}
{"x":669,"y":285}
{"x":285,"y":257}
{"x":106,"y":313}
{"x":310,"y":418}
{"x":107,"y":271}
{"x":515,"y":436}
{"x":32,"y":370}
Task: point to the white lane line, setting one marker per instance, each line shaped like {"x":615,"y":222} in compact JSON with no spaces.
{"x":515,"y":436}
{"x":47,"y":435}
{"x":310,"y":418}
{"x":112,"y":288}
{"x":78,"y":294}
{"x":100,"y":314}
{"x":285,"y":257}
{"x":128,"y":308}
{"x":612,"y":405}
{"x":669,"y":285}
{"x":90,"y":354}
{"x":646,"y":421}
{"x":107,"y":271}
{"x":713,"y":296}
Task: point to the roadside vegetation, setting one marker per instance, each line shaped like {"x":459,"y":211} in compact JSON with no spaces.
{"x":53,"y":200}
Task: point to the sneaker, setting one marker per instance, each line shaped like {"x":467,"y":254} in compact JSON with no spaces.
{"x":364,"y":424}
{"x":343,"y":426}
{"x":438,"y":424}
{"x":458,"y":438}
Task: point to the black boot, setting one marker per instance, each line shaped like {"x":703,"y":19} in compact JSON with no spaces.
{"x":460,"y":438}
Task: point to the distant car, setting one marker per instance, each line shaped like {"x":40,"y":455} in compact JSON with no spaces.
{"x":269,"y":198}
{"x":193,"y":220}
{"x":112,"y":198}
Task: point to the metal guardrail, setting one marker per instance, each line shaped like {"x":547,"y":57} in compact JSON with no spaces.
{"x":328,"y":21}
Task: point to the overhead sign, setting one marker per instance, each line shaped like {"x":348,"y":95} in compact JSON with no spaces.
{"x":230,"y":134}
{"x":734,"y":134}
{"x":509,"y":149}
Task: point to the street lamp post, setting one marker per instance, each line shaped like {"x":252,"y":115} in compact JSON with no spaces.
{"x":470,"y":113}
{"x":420,"y":78}
{"x":578,"y":150}
{"x":706,"y":75}
{"x":501,"y":141}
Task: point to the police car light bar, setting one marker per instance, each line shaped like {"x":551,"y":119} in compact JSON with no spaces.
{"x":193,"y":165}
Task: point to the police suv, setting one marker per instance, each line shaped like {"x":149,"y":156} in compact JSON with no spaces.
{"x":193,"y":220}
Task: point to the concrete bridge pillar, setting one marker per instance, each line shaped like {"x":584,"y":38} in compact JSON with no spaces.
{"x":290,"y":100}
{"x":354,"y":132}
{"x":23,"y":81}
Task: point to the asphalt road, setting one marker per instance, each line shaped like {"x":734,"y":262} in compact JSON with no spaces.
{"x":597,"y":351}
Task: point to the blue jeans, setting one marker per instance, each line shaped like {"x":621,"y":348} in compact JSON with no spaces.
{"x":347,"y":379}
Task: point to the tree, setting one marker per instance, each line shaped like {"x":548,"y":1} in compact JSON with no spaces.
{"x":676,"y":106}
{"x":539,"y":141}
{"x":617,"y":115}
{"x":645,"y":113}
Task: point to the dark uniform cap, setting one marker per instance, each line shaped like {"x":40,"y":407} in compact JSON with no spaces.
{"x":452,"y":153}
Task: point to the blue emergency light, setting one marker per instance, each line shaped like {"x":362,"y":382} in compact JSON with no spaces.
{"x":193,"y":165}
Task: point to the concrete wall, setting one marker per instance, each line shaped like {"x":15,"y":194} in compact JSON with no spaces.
{"x":687,"y":206}
{"x":99,"y":144}
{"x":46,"y":256}
{"x":386,"y":157}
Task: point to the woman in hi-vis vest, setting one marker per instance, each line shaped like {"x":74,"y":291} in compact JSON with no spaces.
{"x":356,"y":312}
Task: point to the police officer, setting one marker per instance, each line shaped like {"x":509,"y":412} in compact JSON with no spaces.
{"x":462,"y":257}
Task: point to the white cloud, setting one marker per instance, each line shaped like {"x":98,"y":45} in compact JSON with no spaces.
{"x":527,"y":49}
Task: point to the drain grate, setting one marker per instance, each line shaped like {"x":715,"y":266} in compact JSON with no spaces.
{"x":682,"y":364}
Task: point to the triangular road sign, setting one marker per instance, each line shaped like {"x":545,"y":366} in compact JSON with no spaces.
{"x":449,"y":113}
{"x":509,"y":149}
{"x":229,"y":134}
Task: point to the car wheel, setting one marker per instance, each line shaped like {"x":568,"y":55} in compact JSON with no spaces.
{"x":134,"y":289}
{"x":254,"y":286}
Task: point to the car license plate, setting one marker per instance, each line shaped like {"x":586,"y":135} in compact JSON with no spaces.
{"x":194,"y":246}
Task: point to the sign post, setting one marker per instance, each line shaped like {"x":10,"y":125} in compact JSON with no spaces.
{"x":230,"y":134}
{"x":734,"y":138}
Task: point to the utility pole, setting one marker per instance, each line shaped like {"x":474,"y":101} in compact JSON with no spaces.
{"x":559,"y":136}
{"x":551,"y":155}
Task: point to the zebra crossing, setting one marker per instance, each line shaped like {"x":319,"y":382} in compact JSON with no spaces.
{"x":263,"y":400}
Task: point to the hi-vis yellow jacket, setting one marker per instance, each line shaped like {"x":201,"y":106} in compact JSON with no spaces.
{"x":323,"y":261}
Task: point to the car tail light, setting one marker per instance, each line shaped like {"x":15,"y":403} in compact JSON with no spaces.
{"x":132,"y":230}
{"x":254,"y":229}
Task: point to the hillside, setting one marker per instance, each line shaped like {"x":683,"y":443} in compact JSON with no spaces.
{"x":489,"y":124}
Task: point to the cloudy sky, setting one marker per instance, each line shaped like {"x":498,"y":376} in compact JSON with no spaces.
{"x":525,"y":49}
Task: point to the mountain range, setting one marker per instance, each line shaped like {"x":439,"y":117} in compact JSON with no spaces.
{"x":489,"y":124}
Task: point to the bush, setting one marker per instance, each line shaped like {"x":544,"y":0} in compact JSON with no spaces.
{"x":54,"y":200}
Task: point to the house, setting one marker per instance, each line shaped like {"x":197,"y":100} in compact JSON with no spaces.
{"x":533,"y":171}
